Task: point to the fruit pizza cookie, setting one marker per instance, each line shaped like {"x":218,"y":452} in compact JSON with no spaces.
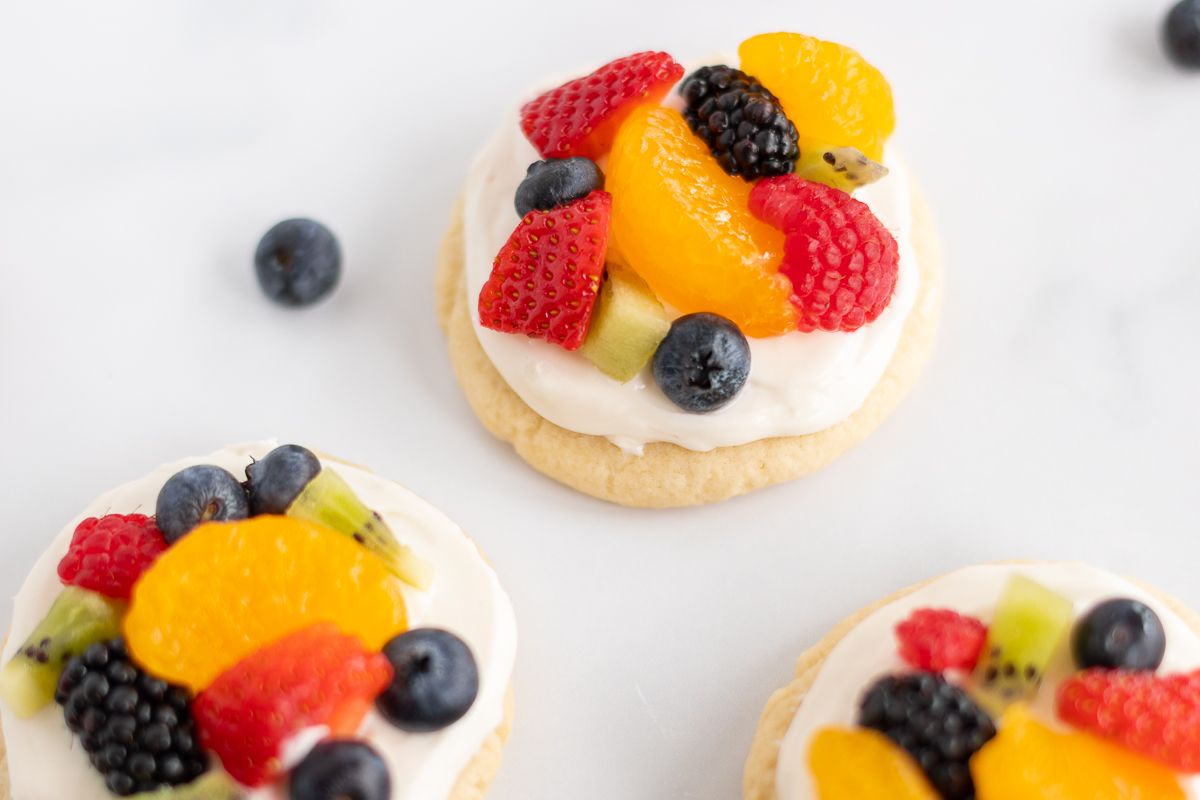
{"x":284,"y":627}
{"x":1046,"y":681}
{"x":667,"y":287}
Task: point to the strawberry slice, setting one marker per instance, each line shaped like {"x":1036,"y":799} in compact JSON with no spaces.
{"x":316,"y":676}
{"x":581,"y":117}
{"x":546,"y":279}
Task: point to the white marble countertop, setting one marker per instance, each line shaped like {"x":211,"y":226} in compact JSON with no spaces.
{"x":145,"y":146}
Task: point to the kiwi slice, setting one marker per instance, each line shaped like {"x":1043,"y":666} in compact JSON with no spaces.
{"x":327,"y":499}
{"x":212,"y":786}
{"x":1030,"y":623}
{"x":627,"y":326}
{"x":77,"y":619}
{"x":844,"y":168}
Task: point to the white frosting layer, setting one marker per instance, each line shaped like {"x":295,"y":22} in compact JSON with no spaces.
{"x":869,"y":651}
{"x":799,"y":383}
{"x":46,"y":763}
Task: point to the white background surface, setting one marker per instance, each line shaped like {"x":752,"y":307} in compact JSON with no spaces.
{"x":145,"y":146}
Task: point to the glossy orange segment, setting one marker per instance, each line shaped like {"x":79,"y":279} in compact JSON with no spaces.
{"x":226,"y":590}
{"x":828,"y":90}
{"x":862,"y":764}
{"x":1029,"y":761}
{"x":685,"y":227}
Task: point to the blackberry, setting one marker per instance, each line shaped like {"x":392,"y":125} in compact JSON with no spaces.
{"x":742,"y":123}
{"x":137,"y":730}
{"x":936,"y":722}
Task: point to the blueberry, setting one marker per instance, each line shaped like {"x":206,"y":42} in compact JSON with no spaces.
{"x":1119,"y":634}
{"x":436,"y":680}
{"x":275,"y":481}
{"x":341,"y":769}
{"x":198,"y":494}
{"x":556,"y":182}
{"x":1182,"y":33}
{"x":703,"y":363}
{"x":298,"y":262}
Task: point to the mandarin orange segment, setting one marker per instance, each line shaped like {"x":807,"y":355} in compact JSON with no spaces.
{"x":685,"y":227}
{"x":864,"y":765}
{"x":828,"y":90}
{"x":228,"y":589}
{"x":1029,"y":761}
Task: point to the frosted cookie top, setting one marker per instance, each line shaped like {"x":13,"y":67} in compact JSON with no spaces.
{"x":687,"y":265}
{"x":999,"y":682}
{"x":255,"y":640}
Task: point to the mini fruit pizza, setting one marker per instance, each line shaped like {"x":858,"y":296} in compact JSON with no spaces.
{"x":283,"y":627}
{"x":667,"y":285}
{"x":1048,"y":681}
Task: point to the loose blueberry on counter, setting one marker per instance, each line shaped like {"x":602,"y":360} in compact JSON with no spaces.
{"x":1119,"y":634}
{"x":1182,"y":33}
{"x":341,"y":770}
{"x":276,"y":480}
{"x":556,"y":182}
{"x":436,"y":680}
{"x":202,"y":493}
{"x":298,"y":262}
{"x":703,"y":363}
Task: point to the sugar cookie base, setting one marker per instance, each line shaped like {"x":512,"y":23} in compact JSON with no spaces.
{"x":758,"y":778}
{"x":667,"y":475}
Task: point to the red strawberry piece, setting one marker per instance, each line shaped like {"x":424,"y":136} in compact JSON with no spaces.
{"x":315,"y":676}
{"x":1155,"y":715}
{"x":581,"y":118}
{"x":938,"y":639}
{"x":108,"y":554}
{"x":546,"y":279}
{"x":842,"y":262}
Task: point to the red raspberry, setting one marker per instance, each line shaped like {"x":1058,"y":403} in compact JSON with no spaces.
{"x":841,"y":260}
{"x":581,"y":118}
{"x":109,"y":554}
{"x":546,"y":279}
{"x":1155,"y":715}
{"x":938,"y":639}
{"x":315,"y":676}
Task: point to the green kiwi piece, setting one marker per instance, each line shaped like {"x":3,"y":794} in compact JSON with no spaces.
{"x":78,"y":618}
{"x":844,"y":168}
{"x":627,"y":327}
{"x":328,"y":500}
{"x":1030,"y":623}
{"x":212,"y":786}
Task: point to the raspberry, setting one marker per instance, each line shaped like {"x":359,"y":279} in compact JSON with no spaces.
{"x":939,"y":639}
{"x":581,"y":117}
{"x":315,"y":676}
{"x":546,"y":279}
{"x":109,"y":554}
{"x":841,"y":260}
{"x":1155,"y":715}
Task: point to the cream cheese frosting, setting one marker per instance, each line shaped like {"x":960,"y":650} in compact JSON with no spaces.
{"x":869,"y":651}
{"x":45,"y":762}
{"x":799,"y":383}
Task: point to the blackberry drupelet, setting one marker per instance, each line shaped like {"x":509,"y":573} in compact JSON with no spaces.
{"x":936,"y":722}
{"x":137,"y":730}
{"x":741,"y":122}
